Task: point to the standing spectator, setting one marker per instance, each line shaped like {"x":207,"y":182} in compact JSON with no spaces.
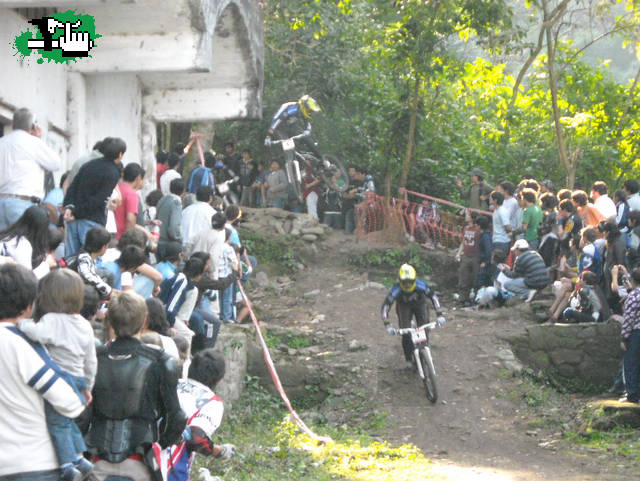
{"x":633,"y":245}
{"x":127,"y":212}
{"x":197,"y":216}
{"x":350,"y":199}
{"x":485,"y":249}
{"x":310,"y":192}
{"x":630,"y":344}
{"x":531,"y":218}
{"x":162,"y":165}
{"x":569,"y":224}
{"x":204,"y":409}
{"x":68,"y":337}
{"x":169,"y":212}
{"x":130,"y":412}
{"x":631,"y":187}
{"x":86,"y":200}
{"x":548,"y":230}
{"x":248,"y":172}
{"x":94,"y":153}
{"x":602,"y":201}
{"x":29,"y":377}
{"x":202,"y":176}
{"x":170,"y":174}
{"x":227,"y":264}
{"x":27,"y":241}
{"x":231,"y":159}
{"x":333,"y":209}
{"x":467,"y":256}
{"x":259,"y":185}
{"x":614,"y":255}
{"x":501,"y":226}
{"x":478,"y":192}
{"x":622,"y":210}
{"x":209,"y":241}
{"x":510,"y":202}
{"x":277,"y":187}
{"x":24,"y":158}
{"x":586,"y":210}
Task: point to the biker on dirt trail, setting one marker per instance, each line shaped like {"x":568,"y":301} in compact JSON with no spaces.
{"x":294,"y":118}
{"x":410,"y":295}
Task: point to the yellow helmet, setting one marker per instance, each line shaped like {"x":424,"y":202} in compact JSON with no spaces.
{"x":307,"y":105}
{"x":407,"y":278}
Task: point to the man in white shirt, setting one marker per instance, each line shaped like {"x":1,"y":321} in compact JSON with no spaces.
{"x":24,"y":157}
{"x":170,"y":174}
{"x":631,"y":187}
{"x":28,"y":378}
{"x":602,"y":201}
{"x":197,"y":216}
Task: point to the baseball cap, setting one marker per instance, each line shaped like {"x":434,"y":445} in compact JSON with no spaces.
{"x":520,"y":244}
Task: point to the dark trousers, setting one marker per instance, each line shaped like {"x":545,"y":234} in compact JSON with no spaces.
{"x":467,"y":273}
{"x":405,"y":313}
{"x":631,"y":366}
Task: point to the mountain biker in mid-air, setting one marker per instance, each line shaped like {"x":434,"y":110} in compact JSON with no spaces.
{"x":410,"y":295}
{"x":294,"y":118}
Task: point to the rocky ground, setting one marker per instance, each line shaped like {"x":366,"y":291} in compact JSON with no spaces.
{"x":488,"y":423}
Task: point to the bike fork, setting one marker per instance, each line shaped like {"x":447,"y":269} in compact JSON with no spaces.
{"x":416,"y":355}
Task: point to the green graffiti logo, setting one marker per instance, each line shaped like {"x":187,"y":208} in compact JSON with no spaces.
{"x":60,"y":37}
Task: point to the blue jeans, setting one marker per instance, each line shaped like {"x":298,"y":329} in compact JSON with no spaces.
{"x":226,"y":303}
{"x":206,"y":325}
{"x":517,"y":286}
{"x":65,"y":434}
{"x":76,"y":235}
{"x":503,"y":246}
{"x":631,"y":366}
{"x":11,"y":209}
{"x":50,"y":475}
{"x":279,"y":203}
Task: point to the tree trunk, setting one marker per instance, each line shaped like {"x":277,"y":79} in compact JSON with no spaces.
{"x":553,"y":87}
{"x":412,"y":132}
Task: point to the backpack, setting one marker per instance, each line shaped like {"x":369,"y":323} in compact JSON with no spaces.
{"x":200,"y":176}
{"x":173,"y":292}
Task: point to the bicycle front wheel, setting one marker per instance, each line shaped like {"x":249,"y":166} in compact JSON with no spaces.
{"x":429,"y":372}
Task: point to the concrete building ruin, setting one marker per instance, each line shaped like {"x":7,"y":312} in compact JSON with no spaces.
{"x":157,"y":61}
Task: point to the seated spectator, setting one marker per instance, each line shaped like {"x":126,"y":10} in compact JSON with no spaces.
{"x":29,"y":377}
{"x":130,"y":260}
{"x":170,"y":214}
{"x":197,"y":217}
{"x":569,"y":225}
{"x":204,"y":409}
{"x":587,"y":303}
{"x":95,"y":246}
{"x":26,"y":242}
{"x":529,"y":272}
{"x":494,"y":294}
{"x":590,"y":215}
{"x":180,"y":295}
{"x":157,"y":323}
{"x":169,"y":267}
{"x":131,"y":412}
{"x":68,"y":337}
{"x":602,"y":201}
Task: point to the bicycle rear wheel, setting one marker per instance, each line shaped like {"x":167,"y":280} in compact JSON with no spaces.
{"x":429,"y":371}
{"x":334,"y":174}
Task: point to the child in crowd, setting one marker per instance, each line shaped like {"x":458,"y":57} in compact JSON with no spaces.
{"x":131,"y":258}
{"x":95,"y":245}
{"x":69,"y":339}
{"x":587,"y":303}
{"x":227,"y":263}
{"x":169,"y":266}
{"x":467,"y":256}
{"x":494,"y":294}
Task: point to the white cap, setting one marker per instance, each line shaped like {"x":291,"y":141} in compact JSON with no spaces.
{"x":520,"y":244}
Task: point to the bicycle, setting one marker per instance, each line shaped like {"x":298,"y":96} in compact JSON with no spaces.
{"x":422,"y":356}
{"x":329,"y":169}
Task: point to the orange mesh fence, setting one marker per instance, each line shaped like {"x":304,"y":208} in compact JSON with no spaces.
{"x":428,"y":221}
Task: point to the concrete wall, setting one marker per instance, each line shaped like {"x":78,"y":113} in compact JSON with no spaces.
{"x":232,"y":342}
{"x":113,"y":109}
{"x":589,"y":352}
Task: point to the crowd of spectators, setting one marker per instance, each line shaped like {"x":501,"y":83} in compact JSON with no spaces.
{"x":583,"y":246}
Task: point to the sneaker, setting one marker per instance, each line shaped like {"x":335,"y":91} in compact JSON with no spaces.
{"x":627,"y":399}
{"x":84,"y":466}
{"x":68,"y":472}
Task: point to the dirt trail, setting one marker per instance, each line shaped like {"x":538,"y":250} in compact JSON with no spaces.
{"x":476,"y":430}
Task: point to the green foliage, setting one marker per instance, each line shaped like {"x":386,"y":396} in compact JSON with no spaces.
{"x":277,"y":252}
{"x":622,"y":441}
{"x":294,"y":341}
{"x":271,"y":448}
{"x":392,"y":259}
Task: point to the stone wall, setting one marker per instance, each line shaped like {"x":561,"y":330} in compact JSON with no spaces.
{"x":232,"y":342}
{"x":589,"y":352}
{"x":271,"y":221}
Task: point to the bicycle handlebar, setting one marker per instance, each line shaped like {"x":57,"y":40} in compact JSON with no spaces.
{"x":299,"y":136}
{"x":409,"y":330}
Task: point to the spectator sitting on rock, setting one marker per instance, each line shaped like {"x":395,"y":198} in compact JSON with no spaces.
{"x":529,"y":272}
{"x":587,"y":303}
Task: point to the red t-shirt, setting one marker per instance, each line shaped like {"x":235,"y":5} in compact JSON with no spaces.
{"x":470,"y":238}
{"x":129,"y":204}
{"x":160,"y":169}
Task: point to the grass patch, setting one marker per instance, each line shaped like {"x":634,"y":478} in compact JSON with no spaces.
{"x":277,"y":252}
{"x":621,"y":441}
{"x":394,"y":258}
{"x":269,"y":448}
{"x":291,"y":340}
